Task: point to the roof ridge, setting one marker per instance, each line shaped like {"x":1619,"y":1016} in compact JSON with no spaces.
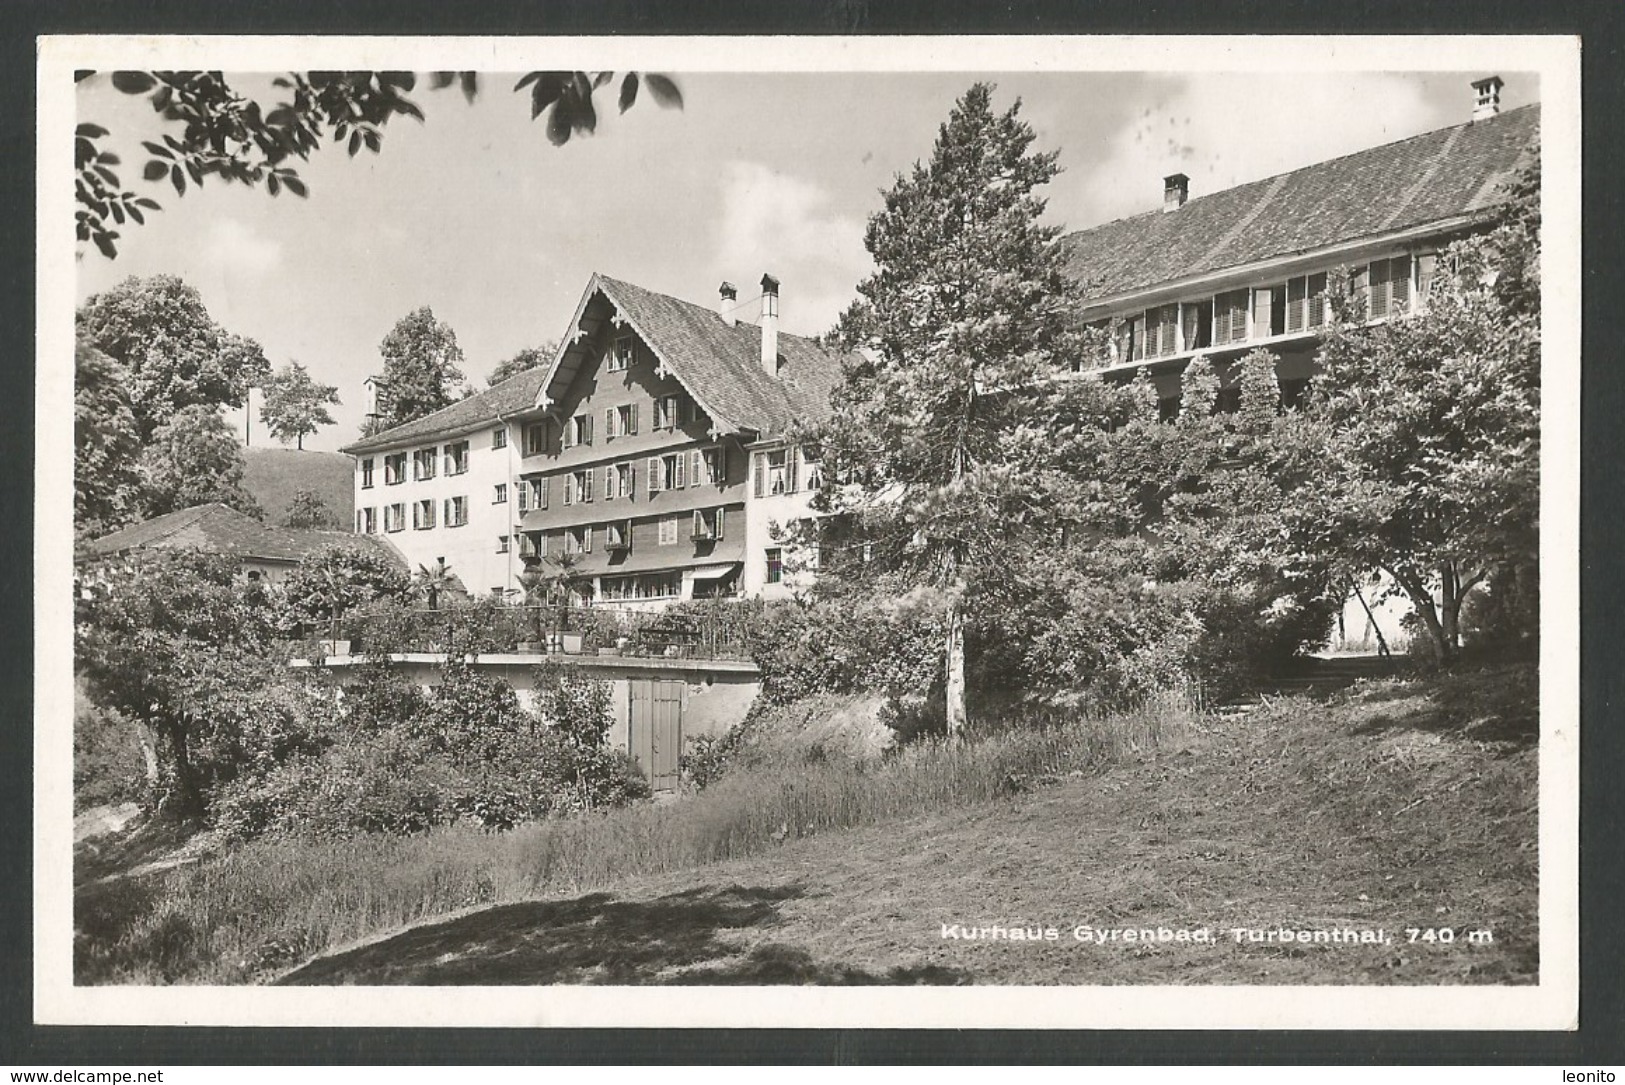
{"x":1281,"y":177}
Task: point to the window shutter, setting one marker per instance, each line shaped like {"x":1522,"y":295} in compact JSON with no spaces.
{"x":761,"y":473}
{"x":790,"y":470}
{"x":541,"y":493}
{"x":719,"y":522}
{"x":586,"y":539}
{"x":678,"y":475}
{"x":586,"y":485}
{"x":524,"y":497}
{"x":696,"y":467}
{"x":1400,"y":282}
{"x":1426,"y":265}
{"x":654,"y":475}
{"x":587,"y":421}
{"x":699,"y":525}
{"x":633,"y":428}
{"x":449,"y":514}
{"x":609,"y":482}
{"x":569,"y":489}
{"x":609,"y":422}
{"x":1316,"y":289}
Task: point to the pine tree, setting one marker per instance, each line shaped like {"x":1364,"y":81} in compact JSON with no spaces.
{"x":964,"y":320}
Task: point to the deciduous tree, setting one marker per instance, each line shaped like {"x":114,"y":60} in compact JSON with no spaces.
{"x":421,"y":360}
{"x":174,"y":353}
{"x":307,"y":511}
{"x":527,"y":359}
{"x":106,"y":483}
{"x":295,"y":405}
{"x":194,"y":459}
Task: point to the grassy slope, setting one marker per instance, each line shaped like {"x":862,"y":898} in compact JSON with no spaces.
{"x":273,"y":475}
{"x":1398,"y":806}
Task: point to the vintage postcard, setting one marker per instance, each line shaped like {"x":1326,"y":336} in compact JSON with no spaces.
{"x":1051,"y":532}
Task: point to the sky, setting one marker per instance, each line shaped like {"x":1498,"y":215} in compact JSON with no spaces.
{"x":475,"y":214}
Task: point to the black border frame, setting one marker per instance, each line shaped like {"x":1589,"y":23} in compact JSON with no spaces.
{"x":1602,"y":589}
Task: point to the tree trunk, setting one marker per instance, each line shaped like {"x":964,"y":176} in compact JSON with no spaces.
{"x":955,"y":672}
{"x":1382,"y":645}
{"x":1449,"y":609}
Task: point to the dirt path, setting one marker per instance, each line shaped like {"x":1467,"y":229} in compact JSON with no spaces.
{"x":1399,"y":815}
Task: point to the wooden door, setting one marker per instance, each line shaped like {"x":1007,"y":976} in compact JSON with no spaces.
{"x":654,"y":735}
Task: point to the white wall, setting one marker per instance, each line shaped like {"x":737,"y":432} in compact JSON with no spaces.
{"x":765,"y":514}
{"x":470,"y":550}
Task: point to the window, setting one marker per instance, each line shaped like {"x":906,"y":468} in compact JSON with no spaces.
{"x":536,"y":438}
{"x":1426,"y":269}
{"x":642,"y":586}
{"x":1136,"y":332}
{"x":367,"y":521}
{"x":671,"y":411}
{"x":666,"y":472}
{"x":423,"y":464}
{"x":457,"y":458}
{"x":394,"y":517}
{"x":623,"y":355}
{"x":711,"y":467}
{"x":499,"y":437}
{"x":503,"y":543}
{"x":1198,"y":319}
{"x":775,"y":565}
{"x":578,"y":431}
{"x":620,"y":421}
{"x":577,"y":487}
{"x":456,"y":511}
{"x":366,"y":473}
{"x":1389,"y":287}
{"x":499,"y":494}
{"x":1306,"y":302}
{"x":1230,"y":317}
{"x":578,"y":540}
{"x":423,"y":514}
{"x":811,"y":454}
{"x":1161,"y":330}
{"x":395,"y":469}
{"x":707,"y":525}
{"x":668,"y":531}
{"x":538,"y":493}
{"x":775,"y":472}
{"x":626,"y":480}
{"x":618,"y":535}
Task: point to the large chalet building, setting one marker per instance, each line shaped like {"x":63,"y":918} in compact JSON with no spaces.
{"x":656,"y":454}
{"x":654,"y":457}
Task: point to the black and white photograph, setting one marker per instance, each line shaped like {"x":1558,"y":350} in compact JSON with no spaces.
{"x":1046,"y":532}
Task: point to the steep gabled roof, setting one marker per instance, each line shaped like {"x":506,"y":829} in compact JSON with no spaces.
{"x":719,"y":364}
{"x":220,"y":529}
{"x":515,"y":394}
{"x":1432,"y":178}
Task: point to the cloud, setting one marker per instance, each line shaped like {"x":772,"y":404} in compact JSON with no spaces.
{"x":774,"y":222}
{"x":1227,"y":129}
{"x":234,"y":246}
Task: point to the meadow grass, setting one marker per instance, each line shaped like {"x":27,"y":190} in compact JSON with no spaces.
{"x":253,"y":911}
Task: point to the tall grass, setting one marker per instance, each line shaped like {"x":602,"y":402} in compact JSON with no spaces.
{"x":269,"y":904}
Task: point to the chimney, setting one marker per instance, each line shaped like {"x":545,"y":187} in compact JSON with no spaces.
{"x":1487,"y":97}
{"x":1176,"y":188}
{"x":727,"y":297}
{"x":770,"y":325}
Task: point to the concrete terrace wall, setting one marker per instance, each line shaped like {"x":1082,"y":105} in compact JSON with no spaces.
{"x":716,"y":693}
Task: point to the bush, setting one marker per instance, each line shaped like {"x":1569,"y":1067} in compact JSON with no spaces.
{"x":108,"y":763}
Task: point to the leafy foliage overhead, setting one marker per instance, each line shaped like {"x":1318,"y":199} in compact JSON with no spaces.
{"x":526,"y":360}
{"x":215,"y":131}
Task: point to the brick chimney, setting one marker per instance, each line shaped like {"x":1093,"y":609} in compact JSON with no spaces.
{"x":727,"y":300}
{"x":770,"y":325}
{"x":1176,"y":189}
{"x":1487,"y":97}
